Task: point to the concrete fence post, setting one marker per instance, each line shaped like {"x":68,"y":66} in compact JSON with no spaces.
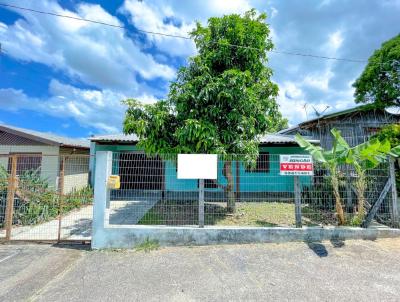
{"x":297,"y":200}
{"x":394,"y":205}
{"x":101,"y":196}
{"x":201,"y":203}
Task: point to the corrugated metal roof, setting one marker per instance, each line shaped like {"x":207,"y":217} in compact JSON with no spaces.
{"x":326,"y":116}
{"x":333,"y":115}
{"x":283,"y":139}
{"x":46,"y":138}
{"x":131,"y":138}
{"x":284,"y":131}
{"x":266,"y":139}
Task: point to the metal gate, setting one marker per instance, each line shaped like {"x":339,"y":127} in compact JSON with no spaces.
{"x":45,"y":197}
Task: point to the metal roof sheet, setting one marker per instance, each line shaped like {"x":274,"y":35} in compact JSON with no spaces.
{"x":131,"y":138}
{"x":327,"y":116}
{"x":46,"y":138}
{"x":283,"y":139}
{"x":266,"y":139}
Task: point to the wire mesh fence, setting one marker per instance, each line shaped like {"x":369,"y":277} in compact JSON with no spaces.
{"x":49,"y":197}
{"x":247,"y":194}
{"x":45,"y":197}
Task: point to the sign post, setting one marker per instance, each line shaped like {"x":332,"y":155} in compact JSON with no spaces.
{"x":200,"y":167}
{"x":296,"y":165}
{"x":297,"y":201}
{"x":201,"y":203}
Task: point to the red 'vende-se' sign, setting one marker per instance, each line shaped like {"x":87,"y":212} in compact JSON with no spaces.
{"x":299,"y":167}
{"x":296,"y":164}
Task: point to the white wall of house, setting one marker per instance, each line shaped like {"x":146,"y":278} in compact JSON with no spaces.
{"x":50,"y":159}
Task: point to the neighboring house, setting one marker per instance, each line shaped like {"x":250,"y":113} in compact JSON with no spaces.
{"x":139,"y":172}
{"x":356,"y":125}
{"x":43,"y":152}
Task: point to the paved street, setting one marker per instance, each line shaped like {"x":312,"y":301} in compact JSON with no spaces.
{"x":327,"y":271}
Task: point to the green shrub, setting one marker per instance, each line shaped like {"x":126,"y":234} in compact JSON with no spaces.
{"x":36,"y":201}
{"x":392,"y":133}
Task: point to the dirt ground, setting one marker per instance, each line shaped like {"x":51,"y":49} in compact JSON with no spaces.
{"x":319,"y":271}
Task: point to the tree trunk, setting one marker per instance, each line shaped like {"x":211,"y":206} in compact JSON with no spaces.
{"x":229,"y":191}
{"x":338,"y":201}
{"x":360,"y":188}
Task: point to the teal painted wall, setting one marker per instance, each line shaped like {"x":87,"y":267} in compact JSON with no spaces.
{"x":250,"y":181}
{"x":113,"y":148}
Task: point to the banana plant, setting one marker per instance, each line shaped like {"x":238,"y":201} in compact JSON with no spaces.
{"x":364,"y":157}
{"x":330,"y":159}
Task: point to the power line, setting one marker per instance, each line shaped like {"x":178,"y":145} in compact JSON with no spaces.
{"x":177,"y":36}
{"x":318,"y":57}
{"x":89,"y":20}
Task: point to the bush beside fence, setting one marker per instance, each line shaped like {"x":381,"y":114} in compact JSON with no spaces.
{"x":38,"y":199}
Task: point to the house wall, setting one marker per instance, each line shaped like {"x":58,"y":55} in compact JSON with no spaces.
{"x":356,"y":128}
{"x":249,"y":181}
{"x":94,"y":147}
{"x":76,"y":169}
{"x":50,"y":159}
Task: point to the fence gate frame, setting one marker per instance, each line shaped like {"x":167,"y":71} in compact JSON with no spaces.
{"x":390,"y":185}
{"x":15,"y":192}
{"x":12,"y":181}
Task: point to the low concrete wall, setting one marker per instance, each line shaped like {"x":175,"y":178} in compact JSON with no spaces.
{"x":128,"y":237}
{"x":105,"y":235}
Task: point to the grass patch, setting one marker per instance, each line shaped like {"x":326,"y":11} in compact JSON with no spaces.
{"x":266,"y":214}
{"x":147,"y":246}
{"x":262,"y":213}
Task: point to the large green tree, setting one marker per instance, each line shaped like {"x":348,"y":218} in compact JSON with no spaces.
{"x":380,"y":81}
{"x":222,"y":102}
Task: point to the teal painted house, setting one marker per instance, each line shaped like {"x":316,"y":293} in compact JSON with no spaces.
{"x":139,"y":172}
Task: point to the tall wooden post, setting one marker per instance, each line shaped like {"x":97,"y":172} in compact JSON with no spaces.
{"x":60,"y":196}
{"x":395,"y":209}
{"x":12,"y":183}
{"x":201,"y":203}
{"x":297,"y":201}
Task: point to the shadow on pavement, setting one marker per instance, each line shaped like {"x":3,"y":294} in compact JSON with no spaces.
{"x":72,"y":246}
{"x":318,"y":248}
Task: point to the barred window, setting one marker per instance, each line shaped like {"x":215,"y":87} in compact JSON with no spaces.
{"x":262,"y":164}
{"x":209,"y":184}
{"x":26,"y":162}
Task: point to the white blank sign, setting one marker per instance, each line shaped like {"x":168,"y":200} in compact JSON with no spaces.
{"x":197,"y":166}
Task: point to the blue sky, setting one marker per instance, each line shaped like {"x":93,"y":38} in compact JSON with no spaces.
{"x":68,"y":77}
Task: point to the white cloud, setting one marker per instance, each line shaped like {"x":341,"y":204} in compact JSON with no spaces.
{"x":274,"y":12}
{"x":151,"y":18}
{"x":90,"y":108}
{"x":96,"y":54}
{"x":175,"y":17}
{"x":295,"y":105}
{"x":319,"y":80}
{"x":147,"y":99}
{"x":335,"y":40}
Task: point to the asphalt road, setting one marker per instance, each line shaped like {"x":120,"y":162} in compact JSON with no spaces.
{"x":327,"y":271}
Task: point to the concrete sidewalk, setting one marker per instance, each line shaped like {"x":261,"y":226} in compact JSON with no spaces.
{"x":76,"y":225}
{"x":321,"y":271}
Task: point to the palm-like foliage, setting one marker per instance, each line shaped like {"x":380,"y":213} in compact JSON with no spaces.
{"x":330,"y":159}
{"x":363,"y":157}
